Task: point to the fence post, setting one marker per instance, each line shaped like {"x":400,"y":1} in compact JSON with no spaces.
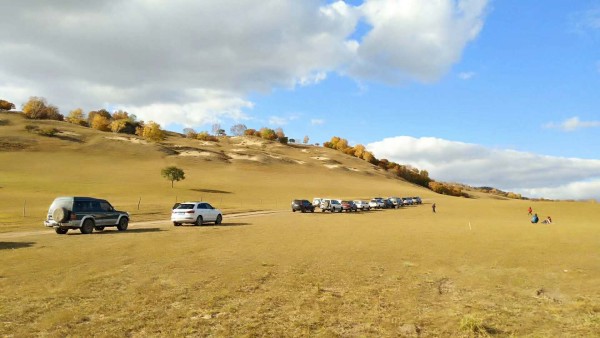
{"x":139,"y":201}
{"x":24,"y":206}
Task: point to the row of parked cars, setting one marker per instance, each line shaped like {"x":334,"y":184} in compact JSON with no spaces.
{"x":339,"y":205}
{"x":90,"y":214}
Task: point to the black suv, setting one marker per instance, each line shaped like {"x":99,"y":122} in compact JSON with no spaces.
{"x":302,"y":205}
{"x":84,"y":213}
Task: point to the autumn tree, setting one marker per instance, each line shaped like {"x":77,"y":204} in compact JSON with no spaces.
{"x":173,"y":174}
{"x":151,"y":131}
{"x":268,"y":134}
{"x":76,"y":116}
{"x":39,"y":109}
{"x":100,"y":122}
{"x":238,"y":129}
{"x":101,"y":112}
{"x":5,"y":105}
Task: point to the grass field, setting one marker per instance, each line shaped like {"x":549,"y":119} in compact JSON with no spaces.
{"x":477,"y":267}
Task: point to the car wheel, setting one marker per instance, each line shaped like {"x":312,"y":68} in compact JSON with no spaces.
{"x":302,"y":210}
{"x":176,"y":224}
{"x":123,"y":224}
{"x":312,"y":210}
{"x":87,"y":227}
{"x":198,"y":221}
{"x":293,"y":210}
{"x":99,"y":228}
{"x":219,"y":219}
{"x":61,"y":231}
{"x":322,"y":210}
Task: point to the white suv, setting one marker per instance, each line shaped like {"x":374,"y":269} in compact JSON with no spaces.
{"x":196,"y":213}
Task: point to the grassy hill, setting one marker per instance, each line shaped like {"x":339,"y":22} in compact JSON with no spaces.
{"x":236,"y":174}
{"x":477,"y":267}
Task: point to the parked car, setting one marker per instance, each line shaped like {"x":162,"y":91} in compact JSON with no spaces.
{"x":196,"y":213}
{"x":330,"y":205}
{"x":302,"y":206}
{"x":388,"y":204}
{"x":348,"y":206}
{"x":396,"y":201}
{"x":316,"y":202}
{"x":407,"y":201}
{"x":362,"y":205}
{"x":417,"y":200}
{"x":84,"y":213}
{"x":376,"y":203}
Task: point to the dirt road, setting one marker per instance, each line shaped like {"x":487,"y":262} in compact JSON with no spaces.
{"x":146,"y":224}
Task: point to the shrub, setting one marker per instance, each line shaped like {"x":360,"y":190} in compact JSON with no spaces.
{"x":267,"y":134}
{"x":250,"y":132}
{"x":31,"y":128}
{"x":5,"y":105}
{"x":38,"y":108}
{"x":47,"y":131}
{"x":305,"y":140}
{"x":151,"y":132}
{"x":283,"y":140}
{"x":120,"y":115}
{"x":205,"y":136}
{"x":190,"y":133}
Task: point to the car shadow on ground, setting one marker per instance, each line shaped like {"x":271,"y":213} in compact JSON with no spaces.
{"x":15,"y":245}
{"x":115,"y":231}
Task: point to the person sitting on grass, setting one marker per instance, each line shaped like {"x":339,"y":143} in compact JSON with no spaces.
{"x":535,"y":219}
{"x":547,"y":220}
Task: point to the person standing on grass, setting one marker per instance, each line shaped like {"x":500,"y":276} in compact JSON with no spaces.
{"x":433,"y":207}
{"x":530,"y":211}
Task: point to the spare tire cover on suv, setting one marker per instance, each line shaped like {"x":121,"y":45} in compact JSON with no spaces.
{"x":59,"y":215}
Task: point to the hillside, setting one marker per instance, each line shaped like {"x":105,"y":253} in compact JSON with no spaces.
{"x":236,"y":173}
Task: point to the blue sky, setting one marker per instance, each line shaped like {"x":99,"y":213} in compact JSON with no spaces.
{"x":497,"y":93}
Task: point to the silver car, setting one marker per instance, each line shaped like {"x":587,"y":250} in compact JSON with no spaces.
{"x":196,"y":213}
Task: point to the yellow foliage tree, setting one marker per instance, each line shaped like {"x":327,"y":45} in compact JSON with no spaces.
{"x":100,"y":122}
{"x":116,"y":126}
{"x":151,"y":131}
{"x":76,"y":117}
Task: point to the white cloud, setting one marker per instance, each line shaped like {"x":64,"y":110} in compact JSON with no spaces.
{"x":466,"y":75}
{"x":415,"y":39}
{"x":586,"y":21}
{"x":183,"y":55}
{"x":317,"y":122}
{"x":572,"y":124}
{"x":278,"y":121}
{"x":529,"y":174}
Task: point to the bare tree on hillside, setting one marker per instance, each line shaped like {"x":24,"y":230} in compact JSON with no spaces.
{"x":238,"y":129}
{"x":215,"y":128}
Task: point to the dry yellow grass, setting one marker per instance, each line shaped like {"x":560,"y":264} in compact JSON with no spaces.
{"x":476,"y":267}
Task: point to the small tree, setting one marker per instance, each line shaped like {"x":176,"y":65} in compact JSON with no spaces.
{"x":100,"y":122}
{"x":173,"y":174}
{"x":238,"y":129}
{"x":215,"y":128}
{"x":305,"y":141}
{"x":151,"y":131}
{"x":39,"y":109}
{"x":76,"y":117}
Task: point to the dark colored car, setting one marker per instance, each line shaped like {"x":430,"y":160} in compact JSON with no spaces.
{"x":84,"y":213}
{"x":388,"y":204}
{"x":302,"y":206}
{"x":348,"y":206}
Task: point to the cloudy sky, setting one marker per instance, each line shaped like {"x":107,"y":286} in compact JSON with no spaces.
{"x":495,"y":93}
